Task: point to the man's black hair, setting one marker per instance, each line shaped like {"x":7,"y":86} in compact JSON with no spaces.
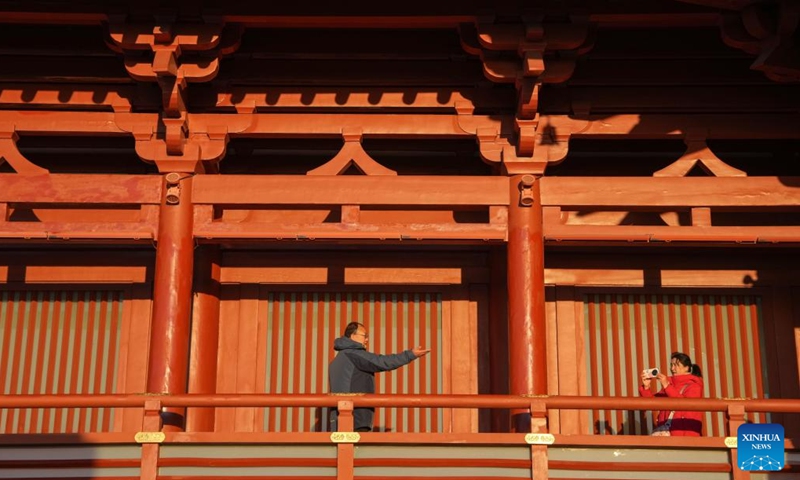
{"x":351,"y":328}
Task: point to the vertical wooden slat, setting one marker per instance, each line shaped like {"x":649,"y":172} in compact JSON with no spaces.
{"x":276,"y":300}
{"x":591,"y":362}
{"x":294,"y":339}
{"x":424,"y":371}
{"x":389,"y":380}
{"x":281,"y":369}
{"x":48,"y":386}
{"x":755,"y":322}
{"x":39,"y":358}
{"x":92,"y":355}
{"x":748,"y":375}
{"x":225,"y":418}
{"x":18,"y":360}
{"x":640,"y":353}
{"x":321,"y":384}
{"x":5,"y":359}
{"x":264,"y":354}
{"x":113,"y":357}
{"x":602,"y":377}
{"x":32,"y":364}
{"x":629,"y":366}
{"x":437,"y":385}
{"x":672,"y":324}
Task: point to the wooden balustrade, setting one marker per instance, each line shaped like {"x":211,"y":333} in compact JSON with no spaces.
{"x":539,"y":443}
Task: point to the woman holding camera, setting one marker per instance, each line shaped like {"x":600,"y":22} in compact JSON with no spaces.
{"x":686,"y":382}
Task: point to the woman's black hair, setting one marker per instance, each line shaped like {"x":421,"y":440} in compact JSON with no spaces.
{"x":686,"y":361}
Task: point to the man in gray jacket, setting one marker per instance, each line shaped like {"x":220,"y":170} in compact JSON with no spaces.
{"x":353,"y":370}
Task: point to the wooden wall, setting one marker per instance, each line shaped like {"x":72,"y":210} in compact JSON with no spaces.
{"x":755,"y":289}
{"x":271,"y":302}
{"x":74,"y":322}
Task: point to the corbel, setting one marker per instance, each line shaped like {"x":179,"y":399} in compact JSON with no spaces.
{"x":516,"y":165}
{"x":698,"y":153}
{"x":549,"y":144}
{"x":11,"y":154}
{"x":496,"y":149}
{"x":352,"y":154}
{"x":489,"y":145}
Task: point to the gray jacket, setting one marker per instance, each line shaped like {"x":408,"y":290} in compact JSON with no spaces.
{"x":353,"y":371}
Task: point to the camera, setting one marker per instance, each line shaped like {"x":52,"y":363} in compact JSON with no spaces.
{"x":651,"y":373}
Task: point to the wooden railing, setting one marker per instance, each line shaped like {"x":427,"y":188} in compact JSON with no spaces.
{"x":539,"y":442}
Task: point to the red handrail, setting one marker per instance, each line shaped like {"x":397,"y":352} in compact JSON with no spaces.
{"x":564,"y":402}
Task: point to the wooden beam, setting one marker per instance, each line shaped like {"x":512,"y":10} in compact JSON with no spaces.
{"x":361,"y":98}
{"x":80,"y":189}
{"x":75,"y":231}
{"x":664,"y":234}
{"x":409,"y":232}
{"x":646,"y":126}
{"x":636,"y":126}
{"x":349,"y":190}
{"x":668,"y":192}
{"x":718,"y":126}
{"x":261,"y":125}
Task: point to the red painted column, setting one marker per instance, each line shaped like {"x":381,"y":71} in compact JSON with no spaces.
{"x":172,"y":296}
{"x":526,"y":307}
{"x":205,"y":336}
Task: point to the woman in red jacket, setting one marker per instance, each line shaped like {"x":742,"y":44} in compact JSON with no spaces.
{"x":686,"y":382}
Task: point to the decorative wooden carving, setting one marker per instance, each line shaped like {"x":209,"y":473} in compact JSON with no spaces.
{"x":698,"y":153}
{"x":528,"y":54}
{"x":352,"y":154}
{"x":10,"y":153}
{"x":183,"y":53}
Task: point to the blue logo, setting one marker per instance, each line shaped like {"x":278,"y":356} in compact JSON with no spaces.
{"x":760,"y":447}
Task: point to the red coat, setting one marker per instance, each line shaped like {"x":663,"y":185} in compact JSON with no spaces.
{"x":689,"y":424}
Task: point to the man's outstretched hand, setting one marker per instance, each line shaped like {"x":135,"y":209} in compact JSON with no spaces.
{"x":421,"y":352}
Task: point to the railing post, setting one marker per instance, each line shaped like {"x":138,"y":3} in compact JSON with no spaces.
{"x":345,"y":451}
{"x":735,"y":416}
{"x":151,"y":424}
{"x":540,"y":469}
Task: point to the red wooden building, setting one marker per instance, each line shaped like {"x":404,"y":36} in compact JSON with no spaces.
{"x":551,"y":195}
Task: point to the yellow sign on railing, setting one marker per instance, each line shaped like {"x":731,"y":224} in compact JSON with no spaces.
{"x":345,"y":437}
{"x":540,"y":439}
{"x":149,"y":437}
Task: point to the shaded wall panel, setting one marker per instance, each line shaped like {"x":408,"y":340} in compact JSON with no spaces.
{"x":59,"y":341}
{"x":626,"y":333}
